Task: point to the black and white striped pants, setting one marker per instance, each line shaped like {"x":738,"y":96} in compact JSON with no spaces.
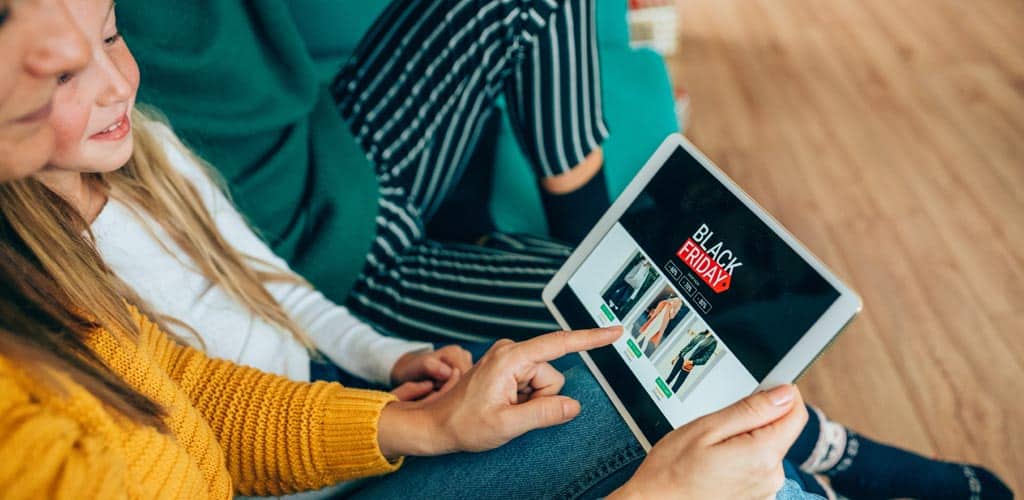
{"x":416,"y":94}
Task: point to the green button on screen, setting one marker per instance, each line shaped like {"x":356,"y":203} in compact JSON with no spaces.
{"x":663,"y":387}
{"x":633,"y":347}
{"x":607,"y":312}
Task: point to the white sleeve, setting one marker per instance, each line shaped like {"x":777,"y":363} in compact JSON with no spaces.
{"x":343,"y":338}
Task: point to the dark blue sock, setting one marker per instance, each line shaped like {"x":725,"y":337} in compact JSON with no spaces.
{"x":861,"y":468}
{"x":807,"y":440}
{"x":572,"y":215}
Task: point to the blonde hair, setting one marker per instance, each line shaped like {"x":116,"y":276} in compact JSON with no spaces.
{"x":60,"y":238}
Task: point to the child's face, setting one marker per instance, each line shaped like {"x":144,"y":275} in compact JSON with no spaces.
{"x":92,"y":107}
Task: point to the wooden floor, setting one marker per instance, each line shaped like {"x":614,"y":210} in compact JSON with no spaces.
{"x":888,"y":135}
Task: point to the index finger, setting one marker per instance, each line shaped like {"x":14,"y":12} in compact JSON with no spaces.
{"x":554,"y":345}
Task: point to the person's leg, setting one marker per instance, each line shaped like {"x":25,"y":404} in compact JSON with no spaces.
{"x":585,"y":458}
{"x":649,"y":351}
{"x":465,"y":216}
{"x":619,"y":296}
{"x":425,"y":78}
{"x":423,"y":105}
{"x":679,"y":381}
{"x":459,"y":292}
{"x":554,"y":105}
{"x":801,"y":486}
{"x":416,"y":93}
{"x":859,"y":467}
{"x":676,"y":368}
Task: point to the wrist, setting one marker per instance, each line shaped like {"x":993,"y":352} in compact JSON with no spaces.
{"x":408,"y":429}
{"x":396,"y":368}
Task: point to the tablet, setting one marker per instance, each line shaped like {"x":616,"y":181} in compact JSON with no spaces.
{"x":716,"y":299}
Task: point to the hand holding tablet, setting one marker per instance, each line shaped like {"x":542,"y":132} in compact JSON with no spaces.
{"x":716,"y":298}
{"x":734,"y":453}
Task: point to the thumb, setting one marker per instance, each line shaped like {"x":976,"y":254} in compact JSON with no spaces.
{"x":454,"y":379}
{"x":539,"y":413}
{"x":411,"y":391}
{"x":748,"y":414}
{"x":781,"y":434}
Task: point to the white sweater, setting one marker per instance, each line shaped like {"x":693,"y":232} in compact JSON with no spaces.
{"x":172,"y":285}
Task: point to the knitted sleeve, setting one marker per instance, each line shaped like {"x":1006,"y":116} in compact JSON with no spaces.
{"x":279,"y":436}
{"x":47,"y":453}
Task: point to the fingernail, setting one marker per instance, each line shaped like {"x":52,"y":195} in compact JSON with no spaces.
{"x":570,"y":408}
{"x":446,"y":370}
{"x":781,"y":395}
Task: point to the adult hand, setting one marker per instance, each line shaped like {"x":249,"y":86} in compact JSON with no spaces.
{"x":436,"y":366}
{"x":734,"y":453}
{"x":510,"y":391}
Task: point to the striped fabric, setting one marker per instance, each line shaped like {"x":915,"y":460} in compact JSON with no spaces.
{"x":416,"y":94}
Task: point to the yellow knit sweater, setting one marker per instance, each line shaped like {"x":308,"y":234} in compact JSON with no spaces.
{"x":231,"y":428}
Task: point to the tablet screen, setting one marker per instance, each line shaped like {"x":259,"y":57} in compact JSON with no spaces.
{"x":710,"y":298}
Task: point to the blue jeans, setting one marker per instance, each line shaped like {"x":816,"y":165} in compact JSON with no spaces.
{"x":588,"y":457}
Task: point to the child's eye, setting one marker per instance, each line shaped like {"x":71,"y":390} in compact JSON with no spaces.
{"x":64,"y":78}
{"x":4,"y":12}
{"x":112,"y":39}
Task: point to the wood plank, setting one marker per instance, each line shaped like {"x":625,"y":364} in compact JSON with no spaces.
{"x":888,"y":135}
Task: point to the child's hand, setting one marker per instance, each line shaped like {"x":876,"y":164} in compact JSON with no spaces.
{"x":436,"y":366}
{"x":424,"y":391}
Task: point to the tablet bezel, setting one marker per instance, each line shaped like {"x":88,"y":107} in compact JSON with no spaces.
{"x":790,"y":367}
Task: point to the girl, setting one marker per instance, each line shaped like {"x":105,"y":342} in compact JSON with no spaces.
{"x":179,"y":243}
{"x":97,"y":402}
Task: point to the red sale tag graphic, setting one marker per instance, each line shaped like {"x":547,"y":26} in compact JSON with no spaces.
{"x":709,"y":271}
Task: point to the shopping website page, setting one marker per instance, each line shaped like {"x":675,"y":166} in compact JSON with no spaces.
{"x":709,"y":297}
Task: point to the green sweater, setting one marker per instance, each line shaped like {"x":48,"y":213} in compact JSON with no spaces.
{"x":238,"y":85}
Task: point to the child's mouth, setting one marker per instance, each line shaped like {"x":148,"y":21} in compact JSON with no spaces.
{"x":115,"y":132}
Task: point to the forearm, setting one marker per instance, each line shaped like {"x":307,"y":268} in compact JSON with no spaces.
{"x":343,"y":338}
{"x":265,"y":422}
